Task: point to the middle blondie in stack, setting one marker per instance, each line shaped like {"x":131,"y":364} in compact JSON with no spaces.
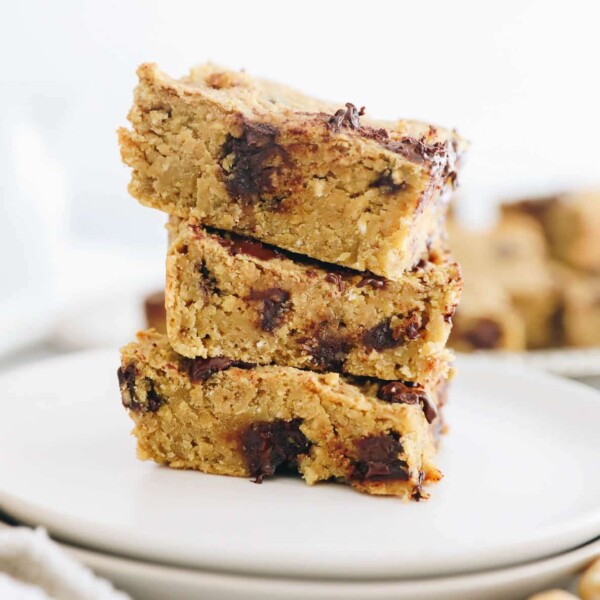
{"x":309,"y":292}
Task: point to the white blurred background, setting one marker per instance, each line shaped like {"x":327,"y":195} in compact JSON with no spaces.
{"x":518,"y":78}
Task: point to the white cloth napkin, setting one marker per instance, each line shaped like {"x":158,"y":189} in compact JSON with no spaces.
{"x":33,"y":567}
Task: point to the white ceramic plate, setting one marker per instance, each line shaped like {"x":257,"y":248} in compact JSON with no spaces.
{"x":568,"y":362}
{"x":520,"y":463}
{"x":156,"y":582}
{"x":145,"y":580}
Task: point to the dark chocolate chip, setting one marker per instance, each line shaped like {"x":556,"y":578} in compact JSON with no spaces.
{"x":269,"y":446}
{"x":201,"y":369}
{"x":275,"y":303}
{"x":337,"y":280}
{"x":484,"y":334}
{"x":412,"y":330}
{"x":348,"y":117}
{"x":130,"y":396}
{"x":374,"y":281}
{"x":241,"y":245}
{"x":403,"y":392}
{"x":382,"y":337}
{"x":440,"y":157}
{"x":378,"y":459}
{"x":400,"y":392}
{"x":328,"y":349}
{"x":257,"y":160}
{"x":208,"y":282}
{"x":153,"y":400}
{"x":126,"y":376}
{"x":386,"y":181}
{"x":418,"y":150}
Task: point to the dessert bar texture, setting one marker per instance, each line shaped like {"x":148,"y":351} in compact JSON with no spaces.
{"x":571,"y":223}
{"x":231,"y":418}
{"x":580,"y":307}
{"x":514,"y":255}
{"x":486,"y":319}
{"x":228,"y":295}
{"x":257,"y":158}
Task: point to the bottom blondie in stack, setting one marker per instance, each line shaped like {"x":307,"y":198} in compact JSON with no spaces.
{"x":280,"y":350}
{"x":229,"y":417}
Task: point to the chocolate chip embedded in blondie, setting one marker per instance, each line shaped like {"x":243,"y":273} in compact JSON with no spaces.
{"x":571,"y":223}
{"x":232,"y":296}
{"x":486,"y":319}
{"x":513,"y":253}
{"x":257,"y":158}
{"x":233,"y":418}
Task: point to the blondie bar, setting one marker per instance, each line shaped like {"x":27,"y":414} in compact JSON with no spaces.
{"x":232,"y":418}
{"x":260,"y":159}
{"x":514,"y":254}
{"x":228,"y":295}
{"x":580,"y":307}
{"x":486,"y":319}
{"x":571,"y":223}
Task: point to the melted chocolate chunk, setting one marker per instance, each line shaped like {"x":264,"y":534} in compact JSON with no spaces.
{"x":126,"y":377}
{"x":270,"y":446}
{"x":275,"y":303}
{"x":378,"y":459}
{"x":153,"y":400}
{"x":401,"y":392}
{"x":382,"y":337}
{"x":406,"y":392}
{"x":485,"y":334}
{"x":418,"y":150}
{"x":257,"y":159}
{"x":337,"y":280}
{"x":201,"y":369}
{"x":131,"y":398}
{"x":386,"y":181}
{"x":328,"y":350}
{"x":429,"y":409}
{"x":348,"y":117}
{"x":374,"y":281}
{"x":208,"y":281}
{"x":412,"y":330}
{"x":240,"y":245}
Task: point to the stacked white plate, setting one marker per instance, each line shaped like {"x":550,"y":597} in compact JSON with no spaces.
{"x":519,"y":509}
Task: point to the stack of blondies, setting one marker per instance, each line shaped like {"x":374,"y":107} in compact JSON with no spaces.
{"x":309,"y":292}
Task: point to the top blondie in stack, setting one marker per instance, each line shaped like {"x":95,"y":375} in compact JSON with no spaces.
{"x":309,"y":291}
